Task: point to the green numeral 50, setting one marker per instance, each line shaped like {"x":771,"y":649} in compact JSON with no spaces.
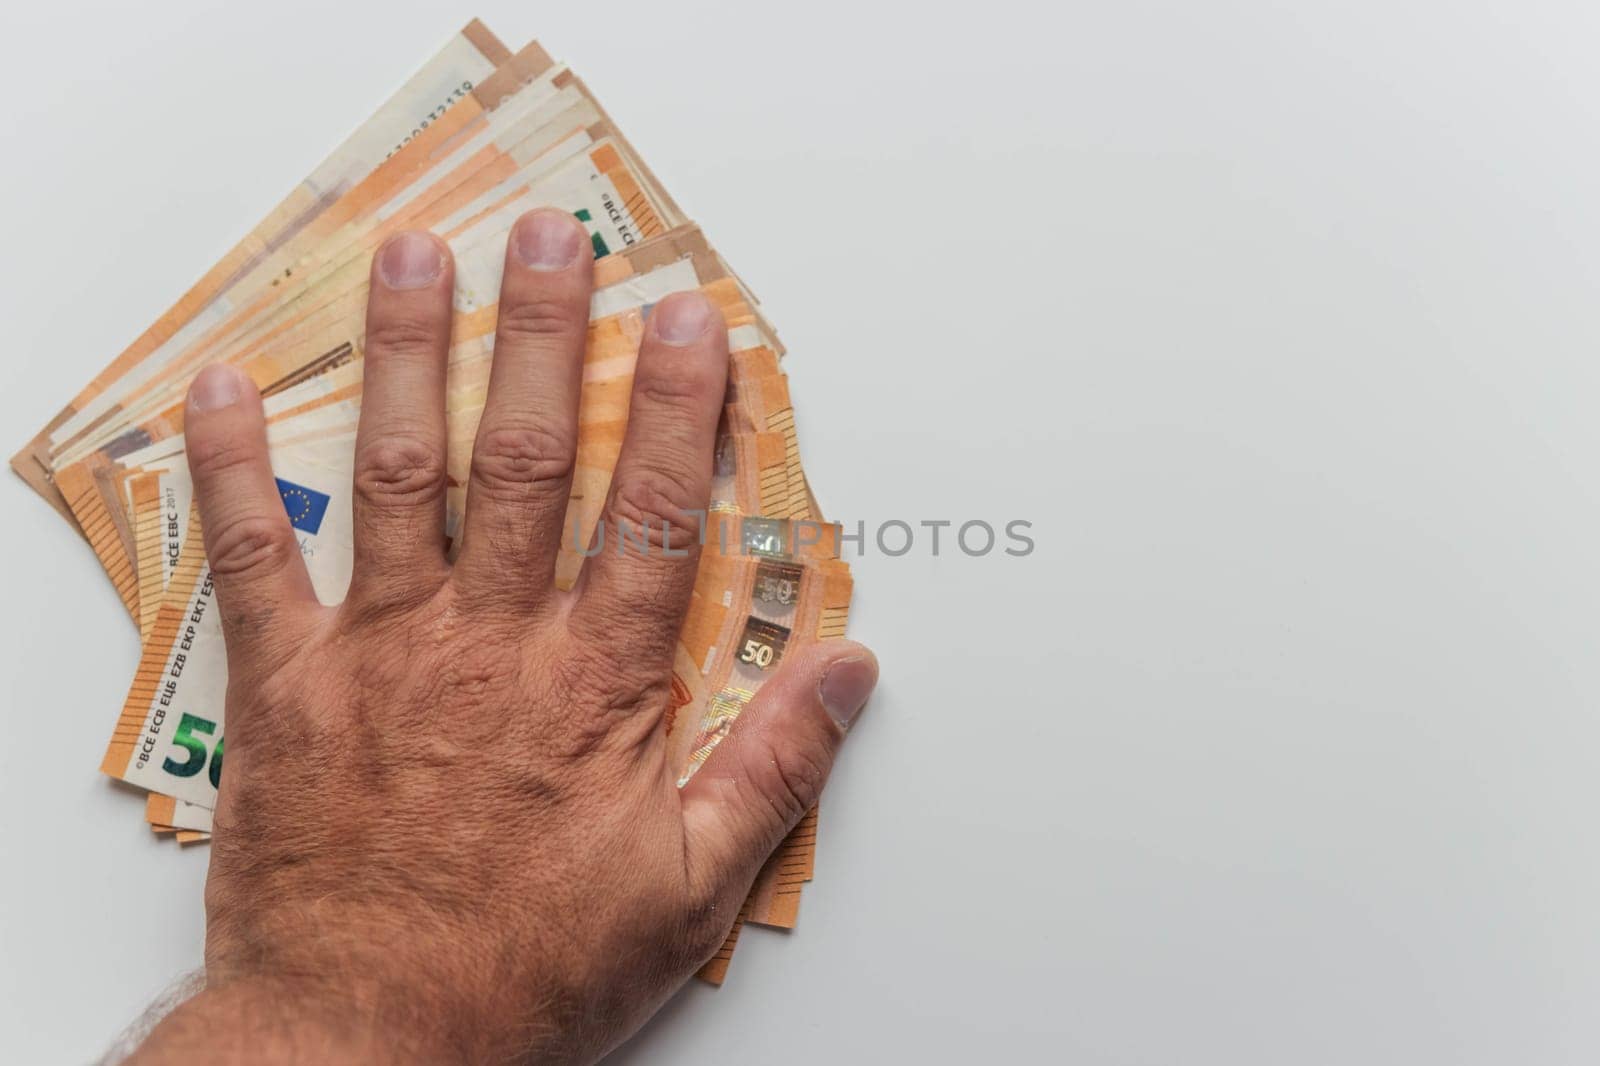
{"x":185,"y":738}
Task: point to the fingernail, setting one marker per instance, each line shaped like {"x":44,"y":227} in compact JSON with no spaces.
{"x":846,"y":686}
{"x":546,"y":240}
{"x":681,"y":317}
{"x":409,"y":260}
{"x":216,"y":386}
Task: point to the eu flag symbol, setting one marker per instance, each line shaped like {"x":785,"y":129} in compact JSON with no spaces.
{"x":305,"y":506}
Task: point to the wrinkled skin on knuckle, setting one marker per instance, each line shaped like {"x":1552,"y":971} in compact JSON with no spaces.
{"x":509,"y":461}
{"x":251,"y":544}
{"x":654,"y":509}
{"x":792,"y":776}
{"x":800,"y":773}
{"x":397,"y":469}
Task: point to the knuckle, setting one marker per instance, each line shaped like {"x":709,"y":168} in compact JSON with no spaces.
{"x":795,"y":782}
{"x":661,"y":507}
{"x":402,"y":336}
{"x":397,"y":468}
{"x":255,"y":544}
{"x":539,"y":321}
{"x":515,"y":457}
{"x":213,"y":456}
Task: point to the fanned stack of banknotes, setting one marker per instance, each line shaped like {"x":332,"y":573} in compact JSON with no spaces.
{"x":474,"y":139}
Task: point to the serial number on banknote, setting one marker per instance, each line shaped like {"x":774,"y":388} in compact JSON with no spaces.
{"x":433,"y":116}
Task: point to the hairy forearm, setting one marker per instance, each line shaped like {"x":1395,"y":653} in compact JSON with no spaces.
{"x":262,"y":1021}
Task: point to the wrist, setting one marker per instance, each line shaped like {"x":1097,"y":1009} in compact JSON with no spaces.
{"x":299,"y":1019}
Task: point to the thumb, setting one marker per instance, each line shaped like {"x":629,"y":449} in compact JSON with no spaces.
{"x":767,"y":773}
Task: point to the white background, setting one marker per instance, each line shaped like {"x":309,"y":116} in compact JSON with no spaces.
{"x":1279,"y":325}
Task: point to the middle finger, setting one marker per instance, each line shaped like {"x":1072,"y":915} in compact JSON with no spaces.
{"x":522,"y":460}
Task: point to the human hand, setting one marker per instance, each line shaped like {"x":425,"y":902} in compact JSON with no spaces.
{"x":448,"y":830}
